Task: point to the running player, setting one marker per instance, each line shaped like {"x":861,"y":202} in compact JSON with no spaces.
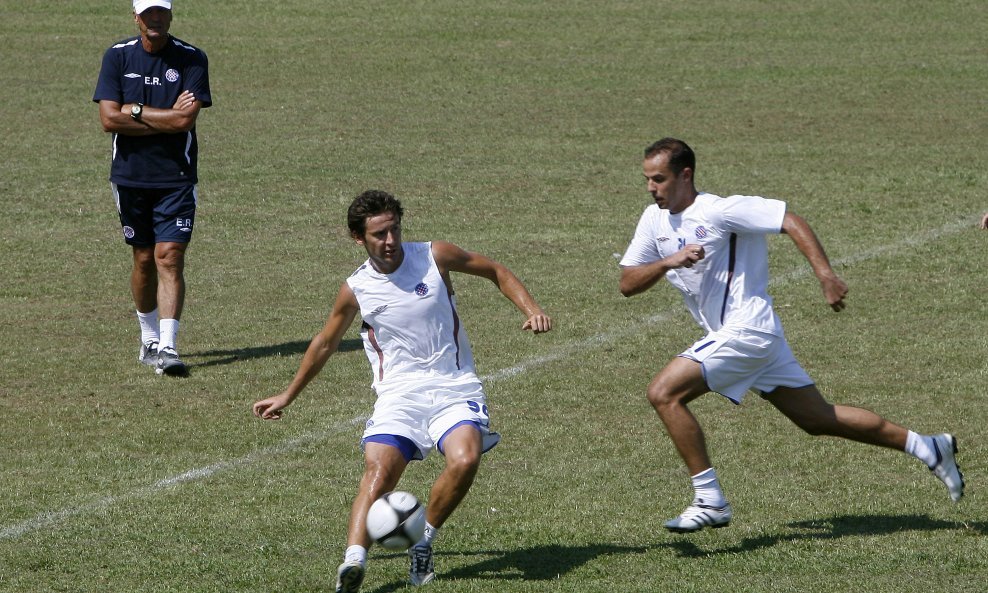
{"x":714,"y":251}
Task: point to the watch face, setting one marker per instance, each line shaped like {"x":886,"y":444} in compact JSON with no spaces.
{"x":135,"y":110}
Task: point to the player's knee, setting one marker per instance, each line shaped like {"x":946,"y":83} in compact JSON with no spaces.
{"x":169,"y":256}
{"x":380,"y":477}
{"x":659,"y":396}
{"x":463,"y":461}
{"x":144,"y":260}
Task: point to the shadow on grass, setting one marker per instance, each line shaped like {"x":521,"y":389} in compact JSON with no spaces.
{"x":540,"y":563}
{"x":546,"y":563}
{"x":218,"y":357}
{"x":833,"y":528}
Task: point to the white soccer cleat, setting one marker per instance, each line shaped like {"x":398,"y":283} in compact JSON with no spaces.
{"x":349,"y":576}
{"x":698,"y":515}
{"x":946,"y":467}
{"x":422,"y":570}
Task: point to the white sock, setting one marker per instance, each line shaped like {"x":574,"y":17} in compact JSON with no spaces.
{"x":149,"y":326}
{"x":355,"y":554}
{"x":921,"y":447}
{"x":429,"y":535}
{"x":707,"y":489}
{"x":169,"y":333}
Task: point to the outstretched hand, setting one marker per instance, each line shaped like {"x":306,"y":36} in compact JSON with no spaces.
{"x":271,"y":408}
{"x":538,"y":323}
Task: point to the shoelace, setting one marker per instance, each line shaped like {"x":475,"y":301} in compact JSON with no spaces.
{"x":421,"y":559}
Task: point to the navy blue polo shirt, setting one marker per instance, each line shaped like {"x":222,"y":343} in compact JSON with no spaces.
{"x":132,"y":75}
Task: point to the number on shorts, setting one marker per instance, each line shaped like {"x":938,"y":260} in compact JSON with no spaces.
{"x":478,"y":408}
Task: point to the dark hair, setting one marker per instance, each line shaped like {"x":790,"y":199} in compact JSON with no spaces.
{"x":680,"y":154}
{"x":370,"y":203}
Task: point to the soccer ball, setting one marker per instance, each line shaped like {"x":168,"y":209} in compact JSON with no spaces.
{"x":396,"y":520}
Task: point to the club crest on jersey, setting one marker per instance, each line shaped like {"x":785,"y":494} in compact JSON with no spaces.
{"x":701,"y":232}
{"x":422,"y":289}
{"x":171,"y":75}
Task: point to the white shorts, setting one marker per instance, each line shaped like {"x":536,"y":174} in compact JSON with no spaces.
{"x":423,"y":414}
{"x":735,"y":360}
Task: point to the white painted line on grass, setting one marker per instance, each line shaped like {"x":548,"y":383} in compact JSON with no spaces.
{"x":571,"y":349}
{"x":54,"y":518}
{"x":881,"y":250}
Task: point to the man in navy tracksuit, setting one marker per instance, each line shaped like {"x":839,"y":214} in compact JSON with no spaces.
{"x":150,"y":90}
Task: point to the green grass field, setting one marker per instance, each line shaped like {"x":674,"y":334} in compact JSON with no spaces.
{"x":515,"y":129}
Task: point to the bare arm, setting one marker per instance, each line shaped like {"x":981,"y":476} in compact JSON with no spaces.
{"x":449,"y":257}
{"x":638,"y":279}
{"x":181,"y":117}
{"x":834,"y":289}
{"x":322,"y":346}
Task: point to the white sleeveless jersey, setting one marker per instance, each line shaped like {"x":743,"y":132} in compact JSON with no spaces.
{"x":410,"y":329}
{"x":729,"y":286}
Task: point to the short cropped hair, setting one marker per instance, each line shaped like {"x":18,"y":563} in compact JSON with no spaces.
{"x":371,"y":203}
{"x":680,"y":154}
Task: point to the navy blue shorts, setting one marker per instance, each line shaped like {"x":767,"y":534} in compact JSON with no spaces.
{"x":156,"y":215}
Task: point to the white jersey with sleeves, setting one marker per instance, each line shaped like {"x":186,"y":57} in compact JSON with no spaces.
{"x":729,"y":286}
{"x":410,"y":329}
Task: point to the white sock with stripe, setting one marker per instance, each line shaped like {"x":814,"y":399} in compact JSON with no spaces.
{"x":707,"y":489}
{"x":149,"y":326}
{"x":169,"y":334}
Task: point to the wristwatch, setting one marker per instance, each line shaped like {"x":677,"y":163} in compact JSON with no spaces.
{"x":136,"y":110}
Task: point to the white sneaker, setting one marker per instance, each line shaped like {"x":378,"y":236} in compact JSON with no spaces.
{"x":698,"y":515}
{"x":349,"y":576}
{"x":946,"y":467}
{"x":422,"y":570}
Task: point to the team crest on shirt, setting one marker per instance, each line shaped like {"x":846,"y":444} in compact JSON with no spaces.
{"x":422,"y":289}
{"x":171,"y":75}
{"x":701,"y":232}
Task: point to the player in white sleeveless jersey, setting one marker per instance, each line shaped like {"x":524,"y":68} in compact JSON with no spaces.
{"x":714,"y":251}
{"x":428,"y":393}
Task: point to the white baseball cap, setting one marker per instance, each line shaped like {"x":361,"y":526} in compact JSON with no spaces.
{"x":142,"y":5}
